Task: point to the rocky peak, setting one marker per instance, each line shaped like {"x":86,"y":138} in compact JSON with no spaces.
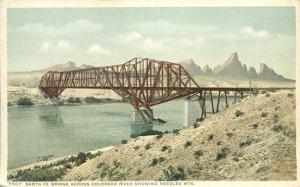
{"x":191,"y":67}
{"x":268,"y":73}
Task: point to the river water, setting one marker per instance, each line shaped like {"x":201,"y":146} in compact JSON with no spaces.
{"x":68,"y":129}
{"x":39,"y":131}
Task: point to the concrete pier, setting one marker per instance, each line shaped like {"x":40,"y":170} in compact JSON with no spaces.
{"x":142,"y":116}
{"x":192,"y":111}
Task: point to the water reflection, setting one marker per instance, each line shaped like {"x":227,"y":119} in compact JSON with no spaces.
{"x":50,"y":116}
{"x":137,"y":129}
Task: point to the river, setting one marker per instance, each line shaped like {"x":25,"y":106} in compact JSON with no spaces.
{"x":39,"y":131}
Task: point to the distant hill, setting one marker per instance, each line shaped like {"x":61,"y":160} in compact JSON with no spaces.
{"x":69,"y":66}
{"x":233,"y":68}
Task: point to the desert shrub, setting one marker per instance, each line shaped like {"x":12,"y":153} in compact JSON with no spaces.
{"x":164,"y":147}
{"x":147,"y":146}
{"x":223,"y":154}
{"x":72,"y":159}
{"x":290,"y":95}
{"x":196,"y":125}
{"x":245,"y":143}
{"x":236,"y":159}
{"x":100,"y":165}
{"x":136,"y":147}
{"x":254,"y":126}
{"x":104,"y":171}
{"x":138,"y":172}
{"x":229,"y":134}
{"x":276,"y":118}
{"x":176,"y":131}
{"x":166,"y":132}
{"x":81,"y":158}
{"x":264,"y":114}
{"x":187,"y":144}
{"x":74,"y":100}
{"x":124,"y":141}
{"x":46,"y":174}
{"x":219,"y":143}
{"x":277,"y":128}
{"x":161,"y":159}
{"x":198,"y":154}
{"x":172,"y":174}
{"x":267,"y":95}
{"x":238,"y":113}
{"x":154,"y":162}
{"x":116,"y":163}
{"x":24,"y":101}
{"x":159,"y":136}
{"x":210,"y":137}
{"x":67,"y":166}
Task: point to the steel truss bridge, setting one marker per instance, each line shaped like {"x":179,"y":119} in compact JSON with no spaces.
{"x":142,"y":82}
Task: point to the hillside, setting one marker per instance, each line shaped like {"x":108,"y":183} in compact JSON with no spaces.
{"x":258,"y":145}
{"x":251,"y":140}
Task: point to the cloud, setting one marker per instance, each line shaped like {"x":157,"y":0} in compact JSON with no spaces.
{"x":150,"y":44}
{"x":76,"y":27}
{"x":133,"y":36}
{"x":250,"y":32}
{"x":63,"y":45}
{"x":98,"y":49}
{"x":45,"y":46}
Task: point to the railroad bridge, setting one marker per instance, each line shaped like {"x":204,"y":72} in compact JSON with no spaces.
{"x":142,"y":82}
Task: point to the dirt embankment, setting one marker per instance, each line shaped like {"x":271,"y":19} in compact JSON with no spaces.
{"x":251,"y":140}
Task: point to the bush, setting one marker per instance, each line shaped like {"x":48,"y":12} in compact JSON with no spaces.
{"x":147,"y":146}
{"x":138,"y":172}
{"x":24,"y":102}
{"x":81,"y":158}
{"x":223,"y":154}
{"x":154,"y":162}
{"x":268,"y":95}
{"x":187,"y":144}
{"x":116,"y":163}
{"x":245,"y":143}
{"x":264,"y":114}
{"x":229,"y":134}
{"x":74,"y":100}
{"x":172,"y":174}
{"x":210,"y":137}
{"x":136,"y":147}
{"x":100,"y":100}
{"x":254,"y":126}
{"x":196,"y":125}
{"x":39,"y":174}
{"x":198,"y":154}
{"x":161,"y":159}
{"x":238,"y":113}
{"x":159,"y":136}
{"x":277,"y":128}
{"x":165,"y":147}
{"x":219,"y":143}
{"x":176,"y":131}
{"x":100,"y":165}
{"x":290,"y":95}
{"x":124,"y":141}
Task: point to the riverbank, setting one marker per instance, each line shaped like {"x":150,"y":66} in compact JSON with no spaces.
{"x":251,"y":140}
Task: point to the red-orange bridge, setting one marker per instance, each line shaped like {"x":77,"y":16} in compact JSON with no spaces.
{"x":142,"y":82}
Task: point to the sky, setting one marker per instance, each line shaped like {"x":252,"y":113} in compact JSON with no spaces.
{"x":41,"y":37}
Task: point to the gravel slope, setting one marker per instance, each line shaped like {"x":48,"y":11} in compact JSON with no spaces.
{"x":257,"y":145}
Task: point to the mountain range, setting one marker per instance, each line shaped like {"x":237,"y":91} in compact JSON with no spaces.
{"x":232,"y":68}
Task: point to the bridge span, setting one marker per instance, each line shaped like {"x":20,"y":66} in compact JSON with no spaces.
{"x":142,"y":82}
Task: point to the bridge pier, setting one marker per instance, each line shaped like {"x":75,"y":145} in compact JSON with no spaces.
{"x":142,"y":116}
{"x":193,"y":109}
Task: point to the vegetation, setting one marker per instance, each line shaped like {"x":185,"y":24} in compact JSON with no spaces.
{"x":245,"y":143}
{"x":187,"y":144}
{"x":196,"y":125}
{"x":81,"y":158}
{"x":136,"y":147}
{"x":24,"y":101}
{"x":39,"y":174}
{"x":147,"y":146}
{"x":74,"y":100}
{"x":198,"y":154}
{"x":277,"y":128}
{"x":159,"y":136}
{"x":238,"y":113}
{"x":138,"y":172}
{"x":100,"y":100}
{"x":210,"y":137}
{"x":154,"y":162}
{"x":268,"y":95}
{"x":176,"y":131}
{"x":166,"y":147}
{"x":172,"y":174}
{"x":290,"y":95}
{"x":124,"y":141}
{"x":264,"y":114}
{"x":223,"y":154}
{"x":254,"y":126}
{"x":229,"y":134}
